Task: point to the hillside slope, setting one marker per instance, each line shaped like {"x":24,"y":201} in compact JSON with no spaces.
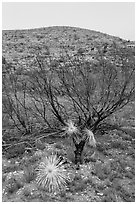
{"x":23,"y":44}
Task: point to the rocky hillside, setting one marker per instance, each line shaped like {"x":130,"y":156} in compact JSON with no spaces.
{"x":22,"y":45}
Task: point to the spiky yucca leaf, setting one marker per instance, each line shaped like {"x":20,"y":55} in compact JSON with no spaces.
{"x":90,"y":138}
{"x":52,"y":174}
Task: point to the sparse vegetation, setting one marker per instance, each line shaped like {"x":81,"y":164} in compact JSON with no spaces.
{"x":76,"y":104}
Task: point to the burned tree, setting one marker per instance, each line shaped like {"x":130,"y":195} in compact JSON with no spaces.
{"x":91,"y":91}
{"x":81,"y":93}
{"x":15,"y":102}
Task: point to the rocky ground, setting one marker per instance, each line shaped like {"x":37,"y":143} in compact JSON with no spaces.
{"x":108,"y":176}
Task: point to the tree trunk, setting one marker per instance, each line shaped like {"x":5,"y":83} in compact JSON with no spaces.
{"x":78,"y":151}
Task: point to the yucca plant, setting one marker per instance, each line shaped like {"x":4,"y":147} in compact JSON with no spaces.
{"x":52,"y":175}
{"x":80,"y":137}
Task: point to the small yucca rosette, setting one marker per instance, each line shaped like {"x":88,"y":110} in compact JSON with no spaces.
{"x":70,"y":128}
{"x":52,"y":175}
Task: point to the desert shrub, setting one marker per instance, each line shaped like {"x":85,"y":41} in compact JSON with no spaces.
{"x":72,"y":72}
{"x":14,"y":181}
{"x":28,"y":191}
{"x":77,"y":185}
{"x":90,"y":93}
{"x":29,"y":173}
{"x":119,"y":144}
{"x":15,"y":103}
